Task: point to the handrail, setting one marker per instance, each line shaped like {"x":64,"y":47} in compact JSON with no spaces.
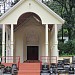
{"x":10,"y":59}
{"x":18,"y":62}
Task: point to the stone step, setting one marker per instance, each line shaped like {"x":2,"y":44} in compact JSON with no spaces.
{"x":29,"y":69}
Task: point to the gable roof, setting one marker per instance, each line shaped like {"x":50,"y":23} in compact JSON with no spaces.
{"x":40,"y":3}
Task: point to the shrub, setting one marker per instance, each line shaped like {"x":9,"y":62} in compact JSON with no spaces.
{"x":67,"y":48}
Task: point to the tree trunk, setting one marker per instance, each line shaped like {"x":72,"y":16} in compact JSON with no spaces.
{"x":69,"y":34}
{"x":62,"y":34}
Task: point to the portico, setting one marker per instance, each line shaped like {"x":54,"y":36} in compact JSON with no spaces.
{"x":29,"y":32}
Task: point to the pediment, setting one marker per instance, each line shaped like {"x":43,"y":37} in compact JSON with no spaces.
{"x":23,"y":6}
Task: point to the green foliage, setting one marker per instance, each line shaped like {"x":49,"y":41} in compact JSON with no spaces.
{"x":68,"y":13}
{"x":67,"y":48}
{"x":65,"y":32}
{"x":15,"y":2}
{"x":55,"y":6}
{"x":66,"y":9}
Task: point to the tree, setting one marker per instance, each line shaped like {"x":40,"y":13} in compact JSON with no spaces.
{"x":66,"y":9}
{"x":68,"y":14}
{"x":13,"y":3}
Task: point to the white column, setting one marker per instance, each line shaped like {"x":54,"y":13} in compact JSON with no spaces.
{"x":12,"y":41}
{"x":6,"y":42}
{"x":56,"y":34}
{"x":7,"y":48}
{"x":46,"y":40}
{"x":56,"y":41}
{"x":54,"y":49}
{"x":3,"y":42}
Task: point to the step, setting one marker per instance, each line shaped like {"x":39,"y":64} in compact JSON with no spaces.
{"x":29,"y":66}
{"x":28,"y":74}
{"x":29,"y":69}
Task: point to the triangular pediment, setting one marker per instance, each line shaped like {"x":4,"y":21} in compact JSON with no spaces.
{"x":23,"y":6}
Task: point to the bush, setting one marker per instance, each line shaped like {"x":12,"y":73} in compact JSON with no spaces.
{"x":67,"y":48}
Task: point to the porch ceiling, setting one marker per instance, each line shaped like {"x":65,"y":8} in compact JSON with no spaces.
{"x":25,"y":17}
{"x":50,"y":26}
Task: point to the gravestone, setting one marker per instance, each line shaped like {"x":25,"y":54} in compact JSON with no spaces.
{"x":66,"y":61}
{"x":14,"y":69}
{"x":45,"y":69}
{"x":73,"y":59}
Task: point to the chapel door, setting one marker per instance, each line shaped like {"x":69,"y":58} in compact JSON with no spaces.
{"x":32,"y":52}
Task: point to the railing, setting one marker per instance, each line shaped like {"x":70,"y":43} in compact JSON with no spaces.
{"x":18,"y":62}
{"x":11,"y":59}
{"x":48,"y":59}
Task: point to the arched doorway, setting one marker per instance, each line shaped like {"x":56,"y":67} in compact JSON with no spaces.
{"x":32,"y":29}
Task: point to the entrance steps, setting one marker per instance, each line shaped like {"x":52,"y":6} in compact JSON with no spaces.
{"x":29,"y":69}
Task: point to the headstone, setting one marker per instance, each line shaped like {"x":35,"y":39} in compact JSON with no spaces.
{"x":8,"y":70}
{"x":14,"y":68}
{"x":73,"y":59}
{"x":66,"y":61}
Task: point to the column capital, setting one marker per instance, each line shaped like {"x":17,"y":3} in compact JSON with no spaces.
{"x":46,"y":24}
{"x":55,"y":24}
